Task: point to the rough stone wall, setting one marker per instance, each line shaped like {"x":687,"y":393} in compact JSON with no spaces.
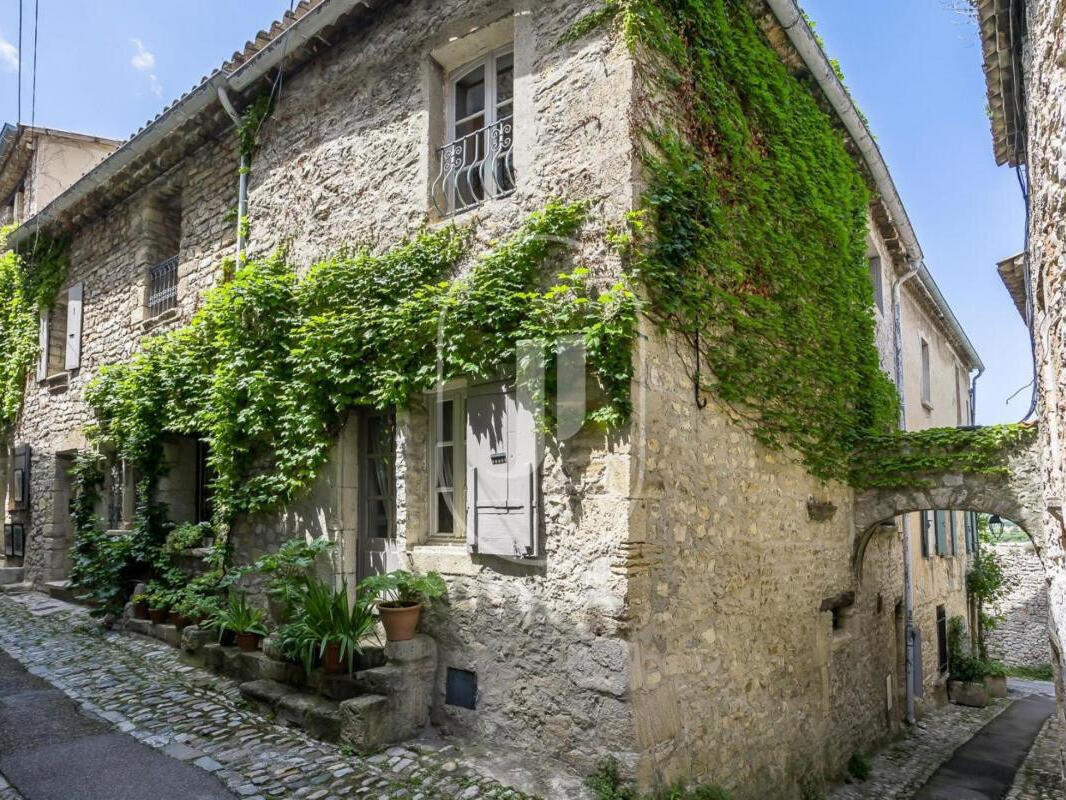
{"x":1045,"y":102}
{"x":105,"y":255}
{"x":728,"y":575}
{"x":1021,"y":635}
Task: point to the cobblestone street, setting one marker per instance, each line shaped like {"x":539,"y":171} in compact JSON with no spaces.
{"x":142,"y":688}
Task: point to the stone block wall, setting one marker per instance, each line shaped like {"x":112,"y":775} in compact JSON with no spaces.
{"x":1021,"y":636}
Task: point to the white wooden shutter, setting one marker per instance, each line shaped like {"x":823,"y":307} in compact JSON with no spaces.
{"x":42,"y":343}
{"x":501,"y":468}
{"x":74,"y":315}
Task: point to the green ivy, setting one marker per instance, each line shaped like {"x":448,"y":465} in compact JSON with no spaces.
{"x":902,"y":459}
{"x":268,"y":369}
{"x":751,"y":239}
{"x":28,"y":282}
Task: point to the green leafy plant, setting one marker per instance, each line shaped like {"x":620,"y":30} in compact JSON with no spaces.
{"x":1035,"y":672}
{"x":606,"y":783}
{"x":186,"y":536}
{"x":287,"y":568}
{"x":402,"y":588}
{"x":238,"y":616}
{"x":325,"y":616}
{"x":161,"y":595}
{"x":859,"y":766}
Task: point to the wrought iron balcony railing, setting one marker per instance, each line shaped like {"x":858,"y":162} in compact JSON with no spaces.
{"x":475,"y":168}
{"x":163,"y":286}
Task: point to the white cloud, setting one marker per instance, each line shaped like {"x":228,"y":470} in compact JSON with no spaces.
{"x":143,"y":59}
{"x":155,"y":85}
{"x":9,"y":55}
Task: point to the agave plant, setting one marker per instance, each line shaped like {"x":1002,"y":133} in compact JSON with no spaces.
{"x":323,"y":616}
{"x":238,"y":616}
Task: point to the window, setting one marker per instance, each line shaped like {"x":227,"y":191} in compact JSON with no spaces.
{"x":925,"y":532}
{"x":927,"y":382}
{"x":379,"y":477}
{"x":942,"y":639}
{"x":205,"y":477}
{"x":876,"y":281}
{"x":477,"y":162}
{"x":960,"y":406}
{"x":163,"y":286}
{"x":970,"y":528}
{"x":59,"y":335}
{"x":447,"y":477}
{"x":952,"y":527}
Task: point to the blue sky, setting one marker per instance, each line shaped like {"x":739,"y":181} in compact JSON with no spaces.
{"x":913,"y":66}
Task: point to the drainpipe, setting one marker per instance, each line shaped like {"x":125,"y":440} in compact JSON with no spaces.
{"x":242,"y":186}
{"x":908,"y":588}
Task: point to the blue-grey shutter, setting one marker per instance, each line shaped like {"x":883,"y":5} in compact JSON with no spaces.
{"x":42,"y":345}
{"x":924,"y":529}
{"x":501,"y":486}
{"x":74,"y":314}
{"x":954,"y":538}
{"x":941,"y":533}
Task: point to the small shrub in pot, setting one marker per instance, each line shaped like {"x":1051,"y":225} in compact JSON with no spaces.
{"x":400,"y":597}
{"x":248,"y":624}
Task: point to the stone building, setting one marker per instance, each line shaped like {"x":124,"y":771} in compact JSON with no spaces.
{"x":1024,"y":47}
{"x":688,"y":588}
{"x":1020,"y":636}
{"x":38,"y":164}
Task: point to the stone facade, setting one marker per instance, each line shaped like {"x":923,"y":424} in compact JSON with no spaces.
{"x":686,"y":600}
{"x":1021,"y":635}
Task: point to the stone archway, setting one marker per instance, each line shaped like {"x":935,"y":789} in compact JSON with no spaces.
{"x":1015,"y":494}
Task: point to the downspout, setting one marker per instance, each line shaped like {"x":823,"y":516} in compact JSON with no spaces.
{"x":908,"y":585}
{"x":242,"y":185}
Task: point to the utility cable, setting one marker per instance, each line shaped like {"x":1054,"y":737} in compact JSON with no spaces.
{"x":33,"y":94}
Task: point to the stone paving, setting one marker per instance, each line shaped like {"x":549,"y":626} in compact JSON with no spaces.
{"x":142,"y":688}
{"x":903,"y":766}
{"x":1040,"y":777}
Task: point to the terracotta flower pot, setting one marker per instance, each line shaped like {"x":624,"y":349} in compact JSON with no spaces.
{"x":177,"y":620}
{"x":140,"y":611}
{"x":248,"y":642}
{"x":400,"y":621}
{"x":157,"y":615}
{"x":331,"y":659}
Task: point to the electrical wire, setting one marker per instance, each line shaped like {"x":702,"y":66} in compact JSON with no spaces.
{"x":19,"y":113}
{"x":275,"y":90}
{"x":33,"y":94}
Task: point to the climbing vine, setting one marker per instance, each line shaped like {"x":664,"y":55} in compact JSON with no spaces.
{"x":751,"y":239}
{"x":270,"y":365}
{"x":28,"y":282}
{"x":901,"y":459}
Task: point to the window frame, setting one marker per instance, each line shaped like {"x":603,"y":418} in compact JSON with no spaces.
{"x":367,"y":457}
{"x":458,"y":444}
{"x":926,"y":362}
{"x":876,"y":270}
{"x":489,"y":112}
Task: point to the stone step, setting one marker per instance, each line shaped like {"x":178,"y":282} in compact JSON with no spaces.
{"x":16,"y":588}
{"x":319,"y":716}
{"x":10,"y":575}
{"x":61,"y":590}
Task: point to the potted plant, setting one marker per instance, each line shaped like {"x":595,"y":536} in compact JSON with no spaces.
{"x":326,"y":625}
{"x":400,"y":596}
{"x":248,"y":624}
{"x":158,"y":602}
{"x":966,"y":686}
{"x":140,"y":605}
{"x":996,"y":679}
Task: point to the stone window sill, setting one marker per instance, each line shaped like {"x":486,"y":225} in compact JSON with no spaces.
{"x":160,"y":319}
{"x":57,"y":382}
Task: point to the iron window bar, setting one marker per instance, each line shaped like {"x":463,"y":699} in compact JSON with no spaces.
{"x":163,"y":286}
{"x":476,"y":167}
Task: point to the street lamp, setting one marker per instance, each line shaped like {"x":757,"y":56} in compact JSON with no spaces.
{"x":995,"y":526}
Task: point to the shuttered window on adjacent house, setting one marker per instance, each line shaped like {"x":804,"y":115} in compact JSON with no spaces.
{"x":59,"y":334}
{"x":502,"y":469}
{"x":954,"y":541}
{"x":447,"y":473}
{"x":19,"y":491}
{"x":877,"y":283}
{"x":940,"y":523}
{"x":927,"y":376}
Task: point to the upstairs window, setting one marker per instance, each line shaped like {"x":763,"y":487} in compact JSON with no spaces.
{"x":162,"y":230}
{"x":163,"y":286}
{"x":477,"y":161}
{"x":927,"y":377}
{"x":59,"y":335}
{"x":877,"y":283}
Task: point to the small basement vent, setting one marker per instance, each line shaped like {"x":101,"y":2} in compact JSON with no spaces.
{"x":460,"y":688}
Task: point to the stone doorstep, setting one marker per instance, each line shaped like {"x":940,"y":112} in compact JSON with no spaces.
{"x":10,"y":575}
{"x":16,"y":588}
{"x":61,"y":590}
{"x":319,"y":716}
{"x":164,"y":633}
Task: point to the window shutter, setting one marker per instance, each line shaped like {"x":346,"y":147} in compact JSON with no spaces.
{"x":74,"y":315}
{"x":20,"y":477}
{"x":954,"y":539}
{"x":924,"y":526}
{"x":941,"y":533}
{"x":501,"y":475}
{"x":42,"y":343}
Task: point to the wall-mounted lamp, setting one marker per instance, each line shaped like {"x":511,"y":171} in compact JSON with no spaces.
{"x":995,"y":525}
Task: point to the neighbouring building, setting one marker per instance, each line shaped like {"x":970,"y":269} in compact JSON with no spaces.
{"x":38,"y":164}
{"x":1020,"y":636}
{"x":1024,"y":48}
{"x":688,"y":589}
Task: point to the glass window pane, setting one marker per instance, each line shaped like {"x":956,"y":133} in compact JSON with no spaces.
{"x":445,"y":477}
{"x":379,"y":520}
{"x":470,"y":93}
{"x":504,"y":78}
{"x":445,"y":412}
{"x":472,"y":147}
{"x":445,"y":519}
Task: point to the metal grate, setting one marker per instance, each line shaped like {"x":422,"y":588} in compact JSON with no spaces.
{"x":163,"y":286}
{"x":475,"y":168}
